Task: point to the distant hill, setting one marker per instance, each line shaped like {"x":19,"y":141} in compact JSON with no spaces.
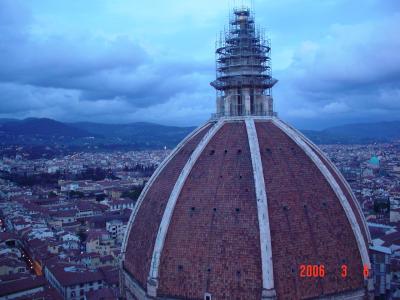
{"x":360,"y":133}
{"x":146,"y":134}
{"x":40,"y":127}
{"x":134,"y":130}
{"x":141,"y":135}
{"x":35,"y":131}
{"x":4,"y":120}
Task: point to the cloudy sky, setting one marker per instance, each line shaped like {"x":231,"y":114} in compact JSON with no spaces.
{"x":119,"y":61}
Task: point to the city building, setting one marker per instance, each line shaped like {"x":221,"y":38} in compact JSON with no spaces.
{"x":380,"y":258}
{"x":24,"y":288}
{"x":246,"y":207}
{"x":116,"y":229}
{"x":73,"y":282}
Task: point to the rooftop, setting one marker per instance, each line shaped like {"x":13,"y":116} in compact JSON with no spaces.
{"x":69,"y":275}
{"x":20,"y":285}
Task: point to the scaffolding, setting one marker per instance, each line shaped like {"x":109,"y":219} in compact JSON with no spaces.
{"x":243,"y":68}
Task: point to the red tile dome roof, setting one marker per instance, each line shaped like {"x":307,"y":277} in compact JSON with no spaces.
{"x":236,"y":210}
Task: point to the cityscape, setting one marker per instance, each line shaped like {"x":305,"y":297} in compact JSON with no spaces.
{"x":68,"y":230}
{"x":78,"y":225}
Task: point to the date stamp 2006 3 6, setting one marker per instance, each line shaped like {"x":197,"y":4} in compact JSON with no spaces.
{"x":320,"y":271}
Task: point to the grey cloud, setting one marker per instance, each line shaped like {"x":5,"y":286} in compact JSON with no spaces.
{"x":353,"y":72}
{"x":147,"y":85}
{"x":97,"y":68}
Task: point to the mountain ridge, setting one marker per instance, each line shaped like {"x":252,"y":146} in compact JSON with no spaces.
{"x":144,"y":135}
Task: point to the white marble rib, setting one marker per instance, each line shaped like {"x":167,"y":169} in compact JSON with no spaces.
{"x":335,"y":187}
{"x":262,"y":207}
{"x":357,"y":204}
{"x":150,"y":182}
{"x":163,"y":229}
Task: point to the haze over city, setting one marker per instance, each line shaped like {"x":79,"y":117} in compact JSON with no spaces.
{"x":336,"y":61}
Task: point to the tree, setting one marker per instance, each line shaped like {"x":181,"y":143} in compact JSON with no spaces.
{"x":134,"y":193}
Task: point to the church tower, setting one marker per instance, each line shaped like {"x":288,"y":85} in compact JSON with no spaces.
{"x":244,"y":79}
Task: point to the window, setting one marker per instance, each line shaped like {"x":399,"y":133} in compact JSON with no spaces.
{"x":382,"y":268}
{"x":207,"y":296}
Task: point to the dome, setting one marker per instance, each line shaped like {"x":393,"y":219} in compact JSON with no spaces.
{"x":246,"y":207}
{"x":374,"y":161}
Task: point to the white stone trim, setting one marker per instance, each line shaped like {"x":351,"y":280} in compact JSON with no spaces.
{"x":132,"y":288}
{"x":334,"y":185}
{"x":332,"y":165}
{"x":150,"y":182}
{"x":241,"y":118}
{"x":169,"y":209}
{"x":262,"y":207}
{"x":135,"y":291}
{"x":352,"y":295}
